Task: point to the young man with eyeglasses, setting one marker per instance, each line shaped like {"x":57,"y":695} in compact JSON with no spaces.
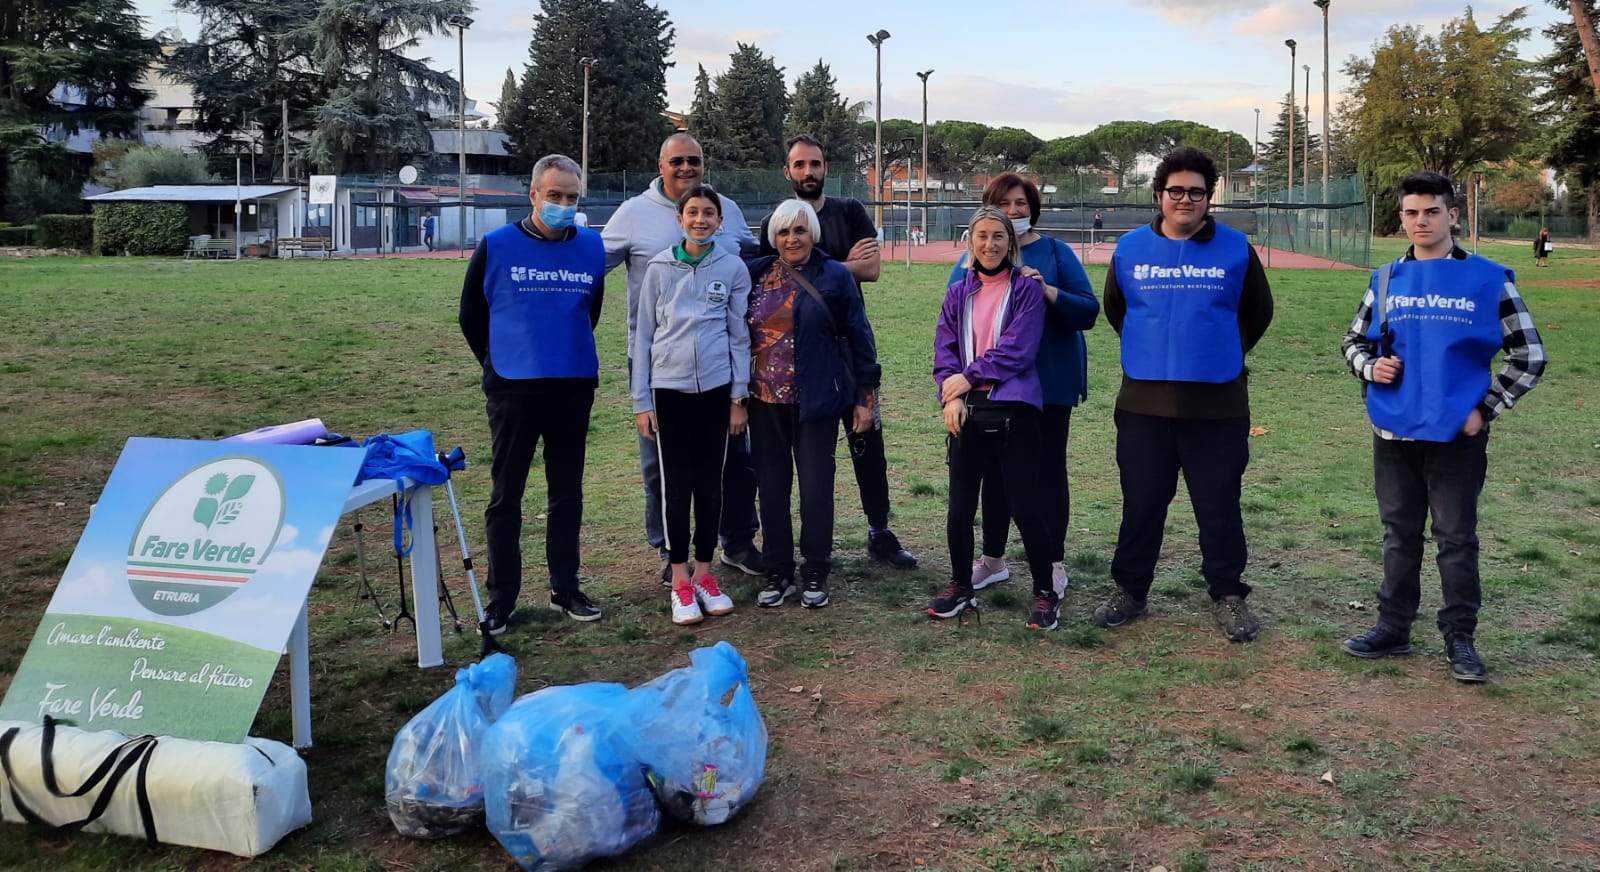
{"x":642,"y":227}
{"x":1189,"y":298}
{"x":1423,"y":356}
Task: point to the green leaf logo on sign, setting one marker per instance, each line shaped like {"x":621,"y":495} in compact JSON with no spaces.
{"x":206,"y":535}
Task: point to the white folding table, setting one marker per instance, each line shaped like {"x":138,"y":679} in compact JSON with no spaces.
{"x":424,"y":594}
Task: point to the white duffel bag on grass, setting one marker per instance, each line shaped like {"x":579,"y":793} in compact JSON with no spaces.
{"x":216,"y":795}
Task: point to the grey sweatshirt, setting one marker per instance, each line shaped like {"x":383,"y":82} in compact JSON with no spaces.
{"x":646,"y":225}
{"x":691,"y":333}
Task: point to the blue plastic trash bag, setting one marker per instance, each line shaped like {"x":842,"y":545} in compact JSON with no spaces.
{"x":562,"y":785}
{"x":432,"y":784}
{"x":700,"y":736}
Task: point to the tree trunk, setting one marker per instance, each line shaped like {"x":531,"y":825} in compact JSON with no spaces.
{"x":1594,"y":214}
{"x":1591,"y":50}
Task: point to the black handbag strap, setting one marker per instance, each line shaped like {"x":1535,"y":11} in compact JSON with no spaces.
{"x":135,"y":751}
{"x":811,"y":290}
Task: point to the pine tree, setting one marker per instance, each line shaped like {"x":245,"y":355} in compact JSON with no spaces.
{"x":1573,"y":140}
{"x":818,"y":109}
{"x":96,"y":50}
{"x":372,"y":119}
{"x":630,"y":41}
{"x":1275,"y":151}
{"x":249,"y":58}
{"x":508,"y":99}
{"x":705,"y":122}
{"x":752,"y":101}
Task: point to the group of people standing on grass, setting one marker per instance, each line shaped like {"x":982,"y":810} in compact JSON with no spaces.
{"x":746,"y":355}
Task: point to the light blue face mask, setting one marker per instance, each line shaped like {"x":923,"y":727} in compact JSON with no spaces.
{"x":557,"y":217}
{"x":700,"y":240}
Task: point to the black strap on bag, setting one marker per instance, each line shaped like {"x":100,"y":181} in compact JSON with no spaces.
{"x":833,"y":326}
{"x":135,"y":751}
{"x":1380,"y":312}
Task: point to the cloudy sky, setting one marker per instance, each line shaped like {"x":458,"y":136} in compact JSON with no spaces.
{"x":1053,"y":68}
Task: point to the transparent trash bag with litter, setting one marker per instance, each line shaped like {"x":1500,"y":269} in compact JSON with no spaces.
{"x":562,"y":784}
{"x":432,"y":784}
{"x":700,"y":736}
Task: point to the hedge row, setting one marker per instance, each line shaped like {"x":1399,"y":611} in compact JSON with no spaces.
{"x":65,"y":231}
{"x":141,"y":228}
{"x":16,"y":237}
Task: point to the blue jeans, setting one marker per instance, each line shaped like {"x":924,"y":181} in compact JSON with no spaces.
{"x":1414,"y":480}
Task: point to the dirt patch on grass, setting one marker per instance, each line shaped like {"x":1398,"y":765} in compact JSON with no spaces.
{"x":1579,"y":284}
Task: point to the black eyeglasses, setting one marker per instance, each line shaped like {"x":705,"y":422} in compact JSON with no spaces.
{"x":693,"y":160}
{"x":1195,"y":195}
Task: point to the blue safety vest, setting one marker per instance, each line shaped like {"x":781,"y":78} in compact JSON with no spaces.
{"x":1444,"y":318}
{"x":1182,"y":322}
{"x":539,"y":295}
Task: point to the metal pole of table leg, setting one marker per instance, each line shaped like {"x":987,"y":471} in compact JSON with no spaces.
{"x":300,"y":678}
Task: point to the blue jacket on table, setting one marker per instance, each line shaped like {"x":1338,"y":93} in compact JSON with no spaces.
{"x":820,"y":378}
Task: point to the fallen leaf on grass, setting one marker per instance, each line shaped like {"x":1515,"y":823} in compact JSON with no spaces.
{"x":1327,"y":777}
{"x":1358,"y":605}
{"x":1258,"y":431}
{"x":964,"y":781}
{"x":799,"y":688}
{"x":1524,"y":567}
{"x":1333,"y":523}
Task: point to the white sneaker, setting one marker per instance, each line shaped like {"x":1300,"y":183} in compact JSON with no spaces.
{"x":1059,"y":580}
{"x":983,"y":575}
{"x":685,"y":610}
{"x":711,"y":597}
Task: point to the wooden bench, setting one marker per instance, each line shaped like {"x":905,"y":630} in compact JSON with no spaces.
{"x":289,"y":246}
{"x":209,"y":248}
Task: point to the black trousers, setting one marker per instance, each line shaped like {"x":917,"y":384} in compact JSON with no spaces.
{"x":1212,"y":455}
{"x":1055,"y":495}
{"x":782,"y":445}
{"x":516,"y":424}
{"x":1011,"y":456}
{"x":692,"y":430}
{"x":871,"y":467}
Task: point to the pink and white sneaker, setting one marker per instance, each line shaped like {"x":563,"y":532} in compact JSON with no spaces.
{"x":710,"y":596}
{"x":685,"y":608}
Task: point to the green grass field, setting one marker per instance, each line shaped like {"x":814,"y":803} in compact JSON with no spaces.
{"x":896,"y":742}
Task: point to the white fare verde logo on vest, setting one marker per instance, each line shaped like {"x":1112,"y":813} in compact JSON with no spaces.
{"x":717,"y":292}
{"x":1431,"y":301}
{"x":534,"y":274}
{"x":206,"y":535}
{"x":1143,"y":271}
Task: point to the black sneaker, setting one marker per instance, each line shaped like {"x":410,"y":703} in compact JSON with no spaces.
{"x":1380,"y":641}
{"x":1118,"y":610}
{"x":1046,"y":614}
{"x":747,"y":560}
{"x":884,"y":547}
{"x":780,"y":587}
{"x":575,"y":605}
{"x":1463,"y":659}
{"x":1236,"y":620}
{"x":494,"y":625}
{"x":813,"y":589}
{"x":956,"y":599}
{"x":666,"y":575}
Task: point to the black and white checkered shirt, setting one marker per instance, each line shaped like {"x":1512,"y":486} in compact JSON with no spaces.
{"x":1519,"y":339}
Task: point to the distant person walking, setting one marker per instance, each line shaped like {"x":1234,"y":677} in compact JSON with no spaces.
{"x":430,"y":226}
{"x":1542,"y":248}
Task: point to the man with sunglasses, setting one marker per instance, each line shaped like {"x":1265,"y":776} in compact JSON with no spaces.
{"x":642,"y":227}
{"x":1423,"y":339}
{"x":1189,"y":298}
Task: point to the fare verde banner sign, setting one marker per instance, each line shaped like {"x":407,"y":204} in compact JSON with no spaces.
{"x":184,"y":588}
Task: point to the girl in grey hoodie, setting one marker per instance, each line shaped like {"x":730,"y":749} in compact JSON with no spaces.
{"x":691,"y":374}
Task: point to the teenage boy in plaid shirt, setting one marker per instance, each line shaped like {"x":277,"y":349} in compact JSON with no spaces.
{"x":1424,"y":360}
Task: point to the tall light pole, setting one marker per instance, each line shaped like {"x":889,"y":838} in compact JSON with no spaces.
{"x":1323,"y":5}
{"x":1288,"y":184}
{"x":1255,"y":156}
{"x":1305,"y":153}
{"x":583,"y":183}
{"x":877,"y":108}
{"x":907,"y":144}
{"x":461,"y":23}
{"x":924,"y":77}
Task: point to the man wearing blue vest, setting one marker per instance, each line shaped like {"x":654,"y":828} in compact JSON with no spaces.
{"x":641,"y":228}
{"x":1189,"y":298}
{"x":1423,"y":339}
{"x":529,"y":306}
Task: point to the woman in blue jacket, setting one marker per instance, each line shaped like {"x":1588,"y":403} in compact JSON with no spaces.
{"x":1070,"y":308}
{"x":813,"y":358}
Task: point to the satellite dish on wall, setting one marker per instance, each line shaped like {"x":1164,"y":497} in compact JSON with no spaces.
{"x":408,"y":174}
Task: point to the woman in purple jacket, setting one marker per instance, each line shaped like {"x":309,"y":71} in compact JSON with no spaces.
{"x":983,"y":362}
